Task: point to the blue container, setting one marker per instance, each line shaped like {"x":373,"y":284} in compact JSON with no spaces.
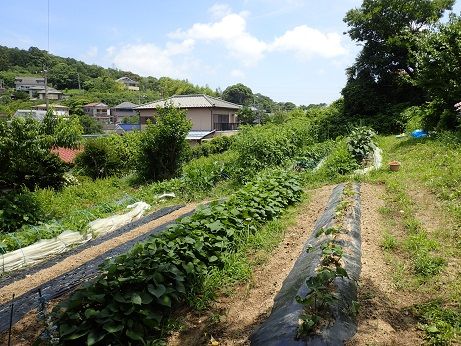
{"x":419,"y":134}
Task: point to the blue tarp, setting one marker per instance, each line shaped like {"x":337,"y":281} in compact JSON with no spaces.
{"x":419,"y":134}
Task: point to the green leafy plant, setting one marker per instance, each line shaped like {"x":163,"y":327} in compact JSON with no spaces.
{"x":163,"y":145}
{"x":132,"y":300}
{"x":360,"y":143}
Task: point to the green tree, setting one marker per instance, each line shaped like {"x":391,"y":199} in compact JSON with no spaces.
{"x":26,"y":157}
{"x":90,"y":125}
{"x":239,"y":94}
{"x":438,"y":55}
{"x":383,"y":73}
{"x":163,"y":145}
{"x":246,"y":115}
{"x":63,"y":76}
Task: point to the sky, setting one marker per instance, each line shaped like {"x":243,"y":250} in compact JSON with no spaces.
{"x":292,"y":50}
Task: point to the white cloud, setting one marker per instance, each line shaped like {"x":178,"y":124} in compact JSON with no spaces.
{"x":176,"y":58}
{"x":218,"y":11}
{"x":306,"y":42}
{"x":231,"y":32}
{"x":147,"y":59}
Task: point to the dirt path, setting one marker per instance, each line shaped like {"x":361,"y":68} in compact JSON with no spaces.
{"x":384,"y":317}
{"x":22,"y":286}
{"x":250,"y":304}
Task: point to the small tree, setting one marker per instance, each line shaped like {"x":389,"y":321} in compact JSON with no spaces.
{"x":163,"y":145}
{"x":246,"y":115}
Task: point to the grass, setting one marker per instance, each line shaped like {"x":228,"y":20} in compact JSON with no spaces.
{"x":422,"y":255}
{"x":73,"y":207}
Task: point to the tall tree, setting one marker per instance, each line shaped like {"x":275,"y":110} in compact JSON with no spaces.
{"x":384,"y":69}
{"x":239,"y":94}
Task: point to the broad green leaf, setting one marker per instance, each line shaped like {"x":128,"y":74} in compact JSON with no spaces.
{"x":156,"y":291}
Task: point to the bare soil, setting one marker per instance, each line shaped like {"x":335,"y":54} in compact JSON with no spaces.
{"x":28,"y":329}
{"x":384,"y":316}
{"x":233,"y":318}
{"x":24,"y":285}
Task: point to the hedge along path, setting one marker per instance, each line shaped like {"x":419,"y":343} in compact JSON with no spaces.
{"x":72,"y":262}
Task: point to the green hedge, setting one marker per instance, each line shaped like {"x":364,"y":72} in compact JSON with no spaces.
{"x":132,"y":300}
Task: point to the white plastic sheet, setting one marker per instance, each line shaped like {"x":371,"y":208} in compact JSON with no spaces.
{"x":46,"y":248}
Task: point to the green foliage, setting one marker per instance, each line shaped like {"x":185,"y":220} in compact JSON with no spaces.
{"x":111,"y":155}
{"x":383,"y":74}
{"x":216,"y":145}
{"x":271,"y":144}
{"x":360,"y":143}
{"x":239,"y":94}
{"x":441,"y":324}
{"x":163,"y":145}
{"x":310,"y":157}
{"x":339,"y":162}
{"x":99,"y":159}
{"x":438,"y":53}
{"x":414,"y":118}
{"x":18,"y":209}
{"x":246,"y":116}
{"x":321,"y":294}
{"x":90,"y":125}
{"x":131,"y":302}
{"x":203,"y":173}
{"x":26,"y":157}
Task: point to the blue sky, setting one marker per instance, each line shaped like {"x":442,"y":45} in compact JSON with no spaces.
{"x":290,"y":50}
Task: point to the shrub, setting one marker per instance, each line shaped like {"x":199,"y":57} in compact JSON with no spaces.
{"x":25,"y":157}
{"x":217,"y":145}
{"x":360,"y":143}
{"x":271,"y":144}
{"x":163,"y":145}
{"x":99,"y":159}
{"x":18,"y":209}
{"x":203,"y":173}
{"x":106,"y":156}
{"x":339,"y":162}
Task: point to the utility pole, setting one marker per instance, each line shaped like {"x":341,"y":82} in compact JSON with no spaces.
{"x":78,"y":77}
{"x":46,"y":87}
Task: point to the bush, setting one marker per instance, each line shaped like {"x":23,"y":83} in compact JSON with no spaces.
{"x":360,"y":143}
{"x":106,"y":156}
{"x":271,"y":144}
{"x":339,"y":162}
{"x":163,"y":145}
{"x":18,"y":209}
{"x":25,"y":156}
{"x":99,"y":159}
{"x":217,"y":145}
{"x":203,"y":173}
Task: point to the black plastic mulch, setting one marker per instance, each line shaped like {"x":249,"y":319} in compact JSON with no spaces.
{"x":280,"y":328}
{"x":9,"y":278}
{"x":68,"y":281}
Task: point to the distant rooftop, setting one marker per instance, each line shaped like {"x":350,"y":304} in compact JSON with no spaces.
{"x":126,"y":105}
{"x":191,"y":101}
{"x":198,"y":135}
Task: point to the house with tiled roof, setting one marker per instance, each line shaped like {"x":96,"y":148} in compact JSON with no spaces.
{"x":129,"y":83}
{"x":123,"y":111}
{"x":67,"y":155}
{"x":206,"y":113}
{"x":99,"y":111}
